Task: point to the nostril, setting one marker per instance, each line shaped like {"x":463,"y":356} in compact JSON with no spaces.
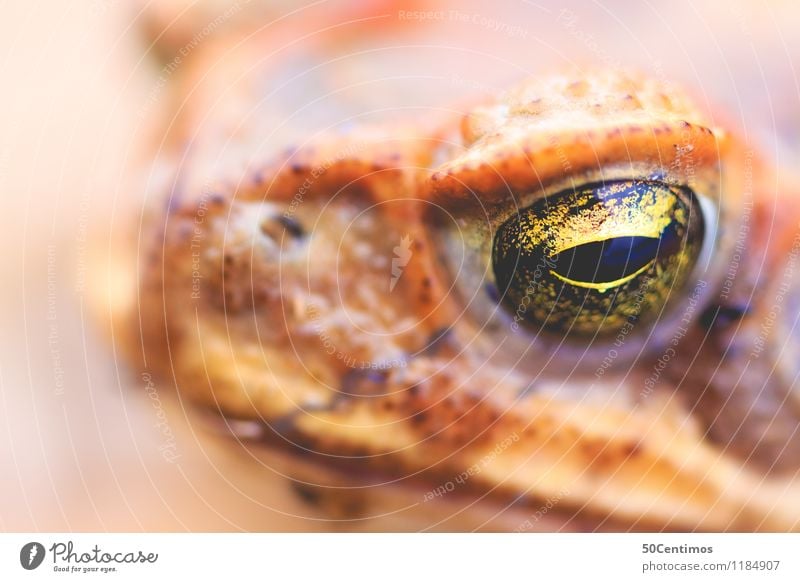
{"x":278,"y":226}
{"x":292,"y":226}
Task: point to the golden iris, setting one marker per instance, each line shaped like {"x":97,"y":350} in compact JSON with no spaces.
{"x":588,"y":260}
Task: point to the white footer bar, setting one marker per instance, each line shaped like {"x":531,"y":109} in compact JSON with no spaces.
{"x":406,"y":557}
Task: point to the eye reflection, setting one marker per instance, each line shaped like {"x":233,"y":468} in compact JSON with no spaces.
{"x":585,"y":260}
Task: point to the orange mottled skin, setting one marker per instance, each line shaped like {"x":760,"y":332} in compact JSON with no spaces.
{"x":252,"y":338}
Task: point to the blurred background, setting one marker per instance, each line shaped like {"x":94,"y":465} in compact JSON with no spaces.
{"x":98,"y":96}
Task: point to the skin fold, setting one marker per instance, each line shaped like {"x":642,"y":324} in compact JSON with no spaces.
{"x":327,"y":299}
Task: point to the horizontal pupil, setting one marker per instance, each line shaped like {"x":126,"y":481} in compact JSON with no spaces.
{"x":606,"y":261}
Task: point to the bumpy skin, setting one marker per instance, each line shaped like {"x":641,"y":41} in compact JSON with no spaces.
{"x":266,"y":295}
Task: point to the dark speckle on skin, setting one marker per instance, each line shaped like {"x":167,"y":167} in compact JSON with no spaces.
{"x":367,"y":382}
{"x":306,"y":493}
{"x":436,"y":341}
{"x":631,"y":450}
{"x":721,"y":316}
{"x":419,"y":418}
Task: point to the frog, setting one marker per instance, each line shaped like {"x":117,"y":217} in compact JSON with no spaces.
{"x":570,"y":306}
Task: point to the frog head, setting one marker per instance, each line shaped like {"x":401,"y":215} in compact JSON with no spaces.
{"x":583,"y":290}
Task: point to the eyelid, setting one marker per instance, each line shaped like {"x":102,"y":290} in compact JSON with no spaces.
{"x":493,"y":172}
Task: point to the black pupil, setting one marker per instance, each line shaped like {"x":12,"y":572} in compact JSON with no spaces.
{"x":608,"y":260}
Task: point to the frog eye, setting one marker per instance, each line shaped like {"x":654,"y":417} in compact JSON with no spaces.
{"x":586,"y":260}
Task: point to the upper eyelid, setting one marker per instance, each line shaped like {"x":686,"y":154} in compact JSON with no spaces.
{"x":495,"y":171}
